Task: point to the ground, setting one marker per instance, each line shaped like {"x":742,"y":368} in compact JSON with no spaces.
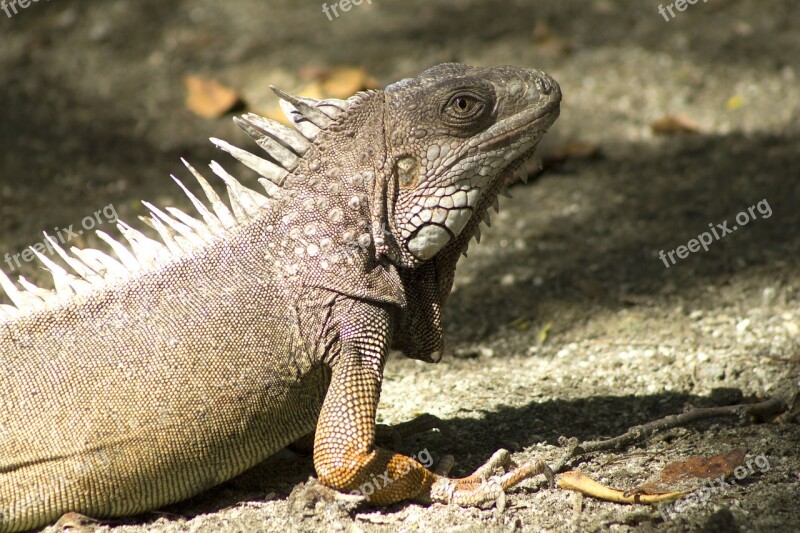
{"x":565,"y":321}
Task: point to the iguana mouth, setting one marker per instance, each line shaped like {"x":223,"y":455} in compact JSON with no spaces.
{"x":550,"y":112}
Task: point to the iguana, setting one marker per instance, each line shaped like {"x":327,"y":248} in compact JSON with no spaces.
{"x":147,"y":378}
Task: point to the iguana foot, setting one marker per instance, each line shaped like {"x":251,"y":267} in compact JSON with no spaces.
{"x":481,"y":489}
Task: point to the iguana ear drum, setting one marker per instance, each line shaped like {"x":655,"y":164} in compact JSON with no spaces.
{"x":407,"y":170}
{"x":428,"y":241}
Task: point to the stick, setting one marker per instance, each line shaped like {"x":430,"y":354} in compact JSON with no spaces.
{"x":763,"y":409}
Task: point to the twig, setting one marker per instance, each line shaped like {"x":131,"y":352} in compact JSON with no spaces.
{"x":763,"y":409}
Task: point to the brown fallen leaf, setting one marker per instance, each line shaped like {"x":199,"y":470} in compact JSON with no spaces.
{"x":344,"y":82}
{"x":548,"y":43}
{"x":693,"y":473}
{"x":673,"y":124}
{"x":575,"y":150}
{"x":561,"y":153}
{"x":209,"y":98}
{"x":341,"y":82}
{"x":580,"y":482}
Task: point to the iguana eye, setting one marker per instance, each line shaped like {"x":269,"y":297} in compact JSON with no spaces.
{"x":464,"y":105}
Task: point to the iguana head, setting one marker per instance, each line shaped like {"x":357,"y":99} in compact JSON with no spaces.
{"x":454,"y":134}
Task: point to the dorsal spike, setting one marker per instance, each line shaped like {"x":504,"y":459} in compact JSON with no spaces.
{"x":250,"y":200}
{"x":79,"y":267}
{"x":307,"y":107}
{"x":9,"y":311}
{"x":211,"y":220}
{"x":166,"y":235}
{"x":264,"y":168}
{"x":178,"y":227}
{"x":272,"y":190}
{"x":223,"y":213}
{"x":146,"y":250}
{"x":198,"y":233}
{"x":308,"y":129}
{"x":21,"y":299}
{"x":329,"y":104}
{"x":284,"y":156}
{"x":332,"y":108}
{"x":239,"y":211}
{"x":65,"y":283}
{"x":101,"y":262}
{"x":283,"y":134}
{"x":125,"y":256}
{"x":44,"y":294}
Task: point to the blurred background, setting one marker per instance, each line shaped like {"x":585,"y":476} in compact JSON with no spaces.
{"x":566,"y":321}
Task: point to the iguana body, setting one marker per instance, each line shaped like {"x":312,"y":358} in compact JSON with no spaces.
{"x":149,"y":378}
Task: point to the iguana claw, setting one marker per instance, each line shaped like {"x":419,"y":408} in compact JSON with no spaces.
{"x":481,"y":488}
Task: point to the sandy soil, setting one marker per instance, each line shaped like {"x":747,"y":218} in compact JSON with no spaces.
{"x":565,"y":321}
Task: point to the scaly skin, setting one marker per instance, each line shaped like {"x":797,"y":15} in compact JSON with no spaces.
{"x":172,"y":370}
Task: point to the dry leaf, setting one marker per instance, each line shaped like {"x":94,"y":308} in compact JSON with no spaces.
{"x":570,"y":150}
{"x":548,"y":43}
{"x":575,"y":150}
{"x":209,"y":98}
{"x":542,"y":32}
{"x":341,"y":82}
{"x":689,"y":475}
{"x":677,"y":123}
{"x":344,"y":82}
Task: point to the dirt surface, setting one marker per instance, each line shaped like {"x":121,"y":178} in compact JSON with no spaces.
{"x":565,"y":321}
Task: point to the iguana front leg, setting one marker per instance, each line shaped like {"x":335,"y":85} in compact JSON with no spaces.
{"x":345,"y":455}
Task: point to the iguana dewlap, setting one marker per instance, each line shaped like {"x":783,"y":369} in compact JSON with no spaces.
{"x":168,"y":366}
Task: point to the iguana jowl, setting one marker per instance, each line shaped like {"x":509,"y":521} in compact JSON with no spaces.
{"x":146,"y":378}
